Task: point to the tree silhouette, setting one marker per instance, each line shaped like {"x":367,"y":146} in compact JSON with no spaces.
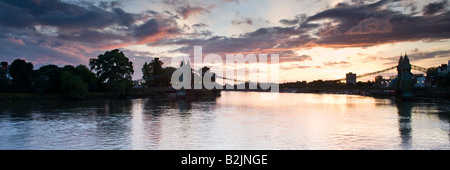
{"x":21,"y":71}
{"x":115,"y":70}
{"x":47,"y":79}
{"x":152,"y":69}
{"x":4,"y":81}
{"x":88,"y":77}
{"x":72,"y":86}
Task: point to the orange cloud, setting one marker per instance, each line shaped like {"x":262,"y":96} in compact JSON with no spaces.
{"x":161,"y":34}
{"x":17,"y":41}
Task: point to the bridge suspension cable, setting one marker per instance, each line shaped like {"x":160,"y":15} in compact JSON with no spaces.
{"x":418,"y":68}
{"x":371,"y":73}
{"x":414,"y":67}
{"x":376,"y":72}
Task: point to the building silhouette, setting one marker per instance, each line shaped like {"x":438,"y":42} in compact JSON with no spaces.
{"x":443,"y":69}
{"x":350,"y":78}
{"x":4,"y":65}
{"x":404,"y":76}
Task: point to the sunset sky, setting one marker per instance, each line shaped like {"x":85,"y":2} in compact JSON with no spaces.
{"x":315,"y":39}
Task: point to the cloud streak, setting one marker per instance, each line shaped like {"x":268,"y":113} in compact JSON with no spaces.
{"x":435,"y":7}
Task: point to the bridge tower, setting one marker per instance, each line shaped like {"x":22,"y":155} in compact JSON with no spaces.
{"x":404,"y":82}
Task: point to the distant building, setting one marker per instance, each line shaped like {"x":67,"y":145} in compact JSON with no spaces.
{"x":378,"y":81}
{"x":420,"y":81}
{"x":138,"y":83}
{"x":385,"y":83}
{"x":382,"y":82}
{"x":443,"y":69}
{"x":391,"y":81}
{"x":350,"y":78}
{"x":4,"y":65}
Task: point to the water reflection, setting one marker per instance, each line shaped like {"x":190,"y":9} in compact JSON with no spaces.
{"x":138,"y":127}
{"x":423,"y":124}
{"x":236,"y":120}
{"x":184,"y":105}
{"x":404,"y":122}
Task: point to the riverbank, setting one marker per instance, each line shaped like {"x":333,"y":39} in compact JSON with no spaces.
{"x":151,"y":93}
{"x":422,"y":92}
{"x":55,"y":96}
{"x":163,"y":93}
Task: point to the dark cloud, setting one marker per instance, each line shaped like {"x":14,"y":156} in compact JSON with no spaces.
{"x":374,"y":24}
{"x":148,"y":28}
{"x":264,"y":40}
{"x":297,"y":20}
{"x":199,"y":25}
{"x":112,"y":4}
{"x":258,"y":42}
{"x":427,"y":55}
{"x":434,"y":7}
{"x":125,"y":18}
{"x":342,"y":13}
{"x":27,"y":13}
{"x":341,"y":5}
{"x":360,"y":2}
{"x":371,"y":25}
{"x":240,"y":21}
{"x":57,"y":32}
{"x":350,"y":16}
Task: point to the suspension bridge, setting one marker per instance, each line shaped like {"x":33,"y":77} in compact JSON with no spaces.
{"x":413,"y":67}
{"x":235,"y":80}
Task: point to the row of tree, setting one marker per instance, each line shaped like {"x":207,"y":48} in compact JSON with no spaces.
{"x":72,"y":82}
{"x":110,"y":72}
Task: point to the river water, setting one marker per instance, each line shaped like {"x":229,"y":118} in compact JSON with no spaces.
{"x":236,"y":120}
